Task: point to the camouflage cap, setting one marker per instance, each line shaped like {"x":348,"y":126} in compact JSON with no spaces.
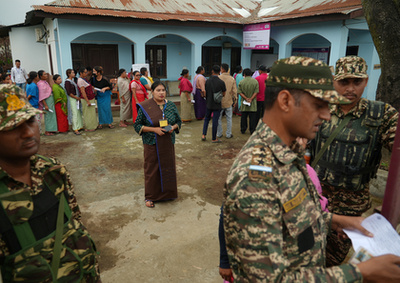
{"x":350,"y":67}
{"x":14,"y":107}
{"x":308,"y":74}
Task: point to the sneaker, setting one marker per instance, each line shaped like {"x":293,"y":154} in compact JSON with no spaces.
{"x":231,"y":136}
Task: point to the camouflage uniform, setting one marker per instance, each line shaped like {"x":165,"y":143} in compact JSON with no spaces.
{"x":275,"y":228}
{"x":274,"y":225}
{"x":27,"y":256}
{"x":347,"y":192}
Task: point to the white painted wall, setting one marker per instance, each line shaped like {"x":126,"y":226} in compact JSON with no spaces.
{"x":33,"y":55}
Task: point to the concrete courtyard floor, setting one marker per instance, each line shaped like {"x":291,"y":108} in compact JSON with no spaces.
{"x":176,"y":241}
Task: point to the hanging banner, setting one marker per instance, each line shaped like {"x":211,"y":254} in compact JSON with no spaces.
{"x":256,"y":36}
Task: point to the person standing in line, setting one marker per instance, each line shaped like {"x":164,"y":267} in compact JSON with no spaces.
{"x":261,"y":93}
{"x":103,"y":87}
{"x":274,"y":226}
{"x":157,"y":122}
{"x":185,"y":88}
{"x":238,"y":76}
{"x":46,"y":102}
{"x":19,"y":75}
{"x":213,"y":85}
{"x":89,"y":104}
{"x":42,"y":236}
{"x":346,"y":165}
{"x":228,"y":101}
{"x":75,"y":101}
{"x":61,"y":104}
{"x":144,"y":80}
{"x":32,"y":93}
{"x":139,"y":93}
{"x":126,"y":98}
{"x":199,"y":94}
{"x":248,"y":89}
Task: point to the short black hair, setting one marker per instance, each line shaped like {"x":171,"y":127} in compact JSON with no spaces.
{"x":216,"y":69}
{"x":225,"y":67}
{"x":17,"y":61}
{"x":247,"y":72}
{"x":271,"y":94}
{"x":40,"y":73}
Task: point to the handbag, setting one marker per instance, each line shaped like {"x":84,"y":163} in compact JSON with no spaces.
{"x":218,"y":96}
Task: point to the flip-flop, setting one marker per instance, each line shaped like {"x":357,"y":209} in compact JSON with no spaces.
{"x":48,"y":134}
{"x":77,"y":133}
{"x":111,"y":126}
{"x":149,"y":203}
{"x":100,"y":127}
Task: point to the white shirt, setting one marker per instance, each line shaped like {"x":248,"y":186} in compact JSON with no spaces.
{"x":18,"y":75}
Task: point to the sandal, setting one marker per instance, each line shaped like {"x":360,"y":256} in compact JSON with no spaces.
{"x":149,"y":203}
{"x":100,"y":127}
{"x":203,"y":138}
{"x":123,"y":125}
{"x":49,"y":134}
{"x":111,"y":126}
{"x":77,"y":133}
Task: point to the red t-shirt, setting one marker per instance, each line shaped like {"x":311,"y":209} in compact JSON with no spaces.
{"x":261,"y":86}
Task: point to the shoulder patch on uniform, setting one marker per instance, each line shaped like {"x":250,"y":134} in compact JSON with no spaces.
{"x":294,"y":202}
{"x":261,"y":163}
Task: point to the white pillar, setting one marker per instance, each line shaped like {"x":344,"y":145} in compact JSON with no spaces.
{"x":196,"y":56}
{"x":246,"y":58}
{"x":140,"y":52}
{"x":338,"y":46}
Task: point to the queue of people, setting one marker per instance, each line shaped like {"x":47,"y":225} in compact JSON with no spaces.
{"x":281,"y":219}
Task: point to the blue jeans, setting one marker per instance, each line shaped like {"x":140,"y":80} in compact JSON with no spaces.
{"x":228,"y":112}
{"x":214,"y":122}
{"x":21,"y":86}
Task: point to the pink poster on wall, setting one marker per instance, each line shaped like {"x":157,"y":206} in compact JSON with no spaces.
{"x":256,"y":36}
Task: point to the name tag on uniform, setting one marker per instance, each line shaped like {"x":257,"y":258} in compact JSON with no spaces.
{"x":163,"y":123}
{"x":294,"y":202}
{"x":261,"y":168}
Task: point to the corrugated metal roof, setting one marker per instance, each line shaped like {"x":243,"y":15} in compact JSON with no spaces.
{"x":219,"y":11}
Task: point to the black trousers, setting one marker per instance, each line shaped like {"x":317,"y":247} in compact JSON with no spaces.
{"x":252,"y":119}
{"x":260,"y":110}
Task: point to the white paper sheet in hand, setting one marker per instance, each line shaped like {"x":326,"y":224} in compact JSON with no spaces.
{"x":385,"y":240}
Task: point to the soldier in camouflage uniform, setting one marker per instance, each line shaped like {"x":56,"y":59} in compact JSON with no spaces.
{"x":274,"y":225}
{"x":353,"y":157}
{"x":41,"y":236}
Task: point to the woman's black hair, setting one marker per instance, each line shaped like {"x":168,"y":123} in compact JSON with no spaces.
{"x":134,"y":73}
{"x":82,"y":69}
{"x":55,"y":77}
{"x":40,"y":73}
{"x":120,"y":72}
{"x":184,"y":72}
{"x":238,"y":69}
{"x":32,"y":75}
{"x":199,"y":69}
{"x":68,"y":72}
{"x":156,"y":84}
{"x":143,"y":71}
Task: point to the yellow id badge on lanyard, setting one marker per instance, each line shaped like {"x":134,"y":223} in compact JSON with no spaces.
{"x":163,"y":123}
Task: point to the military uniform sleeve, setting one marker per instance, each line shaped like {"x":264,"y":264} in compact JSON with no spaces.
{"x":389,"y":126}
{"x":254,"y":233}
{"x":69,"y":189}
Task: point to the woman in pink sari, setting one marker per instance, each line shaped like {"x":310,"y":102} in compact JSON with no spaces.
{"x":46,"y":103}
{"x":139,"y":93}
